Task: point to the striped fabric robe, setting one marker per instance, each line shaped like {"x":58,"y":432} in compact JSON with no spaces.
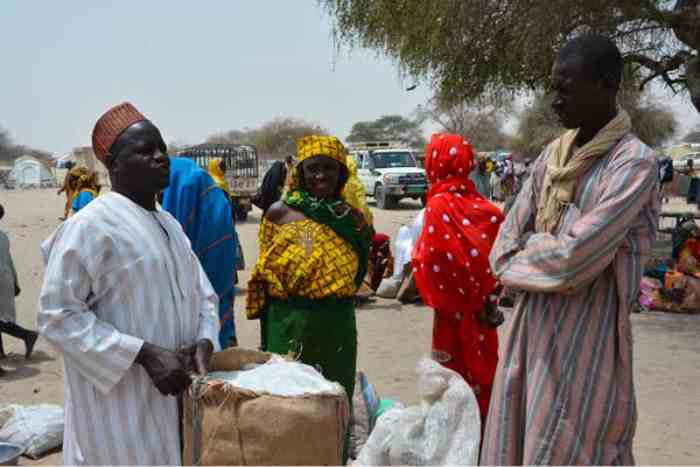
{"x":118,"y":275}
{"x":564,"y":389}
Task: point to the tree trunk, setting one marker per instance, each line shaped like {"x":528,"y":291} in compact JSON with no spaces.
{"x":692,"y":73}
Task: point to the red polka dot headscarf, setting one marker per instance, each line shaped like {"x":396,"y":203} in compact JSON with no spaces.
{"x":451,"y":257}
{"x":446,"y":156}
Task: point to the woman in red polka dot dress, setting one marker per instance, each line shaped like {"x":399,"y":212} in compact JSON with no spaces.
{"x":451,"y":264}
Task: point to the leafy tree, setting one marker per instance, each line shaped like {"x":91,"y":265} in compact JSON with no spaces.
{"x":652,"y":122}
{"x":482,"y":125}
{"x":10,"y":151}
{"x":278,"y":137}
{"x":244,"y":136}
{"x":5,"y":146}
{"x":275,"y":139}
{"x":537,"y":126}
{"x":388,"y":128}
{"x":469,"y":48}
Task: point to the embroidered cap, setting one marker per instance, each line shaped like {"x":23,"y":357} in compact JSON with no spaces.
{"x":112,"y":124}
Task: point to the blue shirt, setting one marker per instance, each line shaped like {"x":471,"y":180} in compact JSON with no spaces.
{"x":81,"y":200}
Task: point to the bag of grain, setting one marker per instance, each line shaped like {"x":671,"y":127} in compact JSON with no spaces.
{"x":259,"y":409}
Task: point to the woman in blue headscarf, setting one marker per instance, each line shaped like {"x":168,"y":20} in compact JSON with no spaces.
{"x":204,"y":211}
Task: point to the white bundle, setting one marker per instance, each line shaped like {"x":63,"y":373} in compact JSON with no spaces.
{"x":445,"y":429}
{"x":39,"y":428}
{"x":279,"y":377}
{"x":406,"y":239}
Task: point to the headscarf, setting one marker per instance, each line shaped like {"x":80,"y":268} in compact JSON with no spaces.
{"x":450,"y":260}
{"x":84,"y":179}
{"x":218,"y":175}
{"x":315,"y":145}
{"x":272,"y":186}
{"x":686,"y":230}
{"x":346,"y":221}
{"x":204,"y":212}
{"x":354,"y":191}
{"x":567,"y":164}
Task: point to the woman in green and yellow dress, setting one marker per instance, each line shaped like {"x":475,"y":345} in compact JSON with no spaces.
{"x":314,"y":250}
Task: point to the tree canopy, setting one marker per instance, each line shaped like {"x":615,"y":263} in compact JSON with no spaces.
{"x":388,"y":128}
{"x":275,"y":139}
{"x":469,"y":48}
{"x":652,"y":122}
{"x":481,"y":125}
{"x":9,"y":151}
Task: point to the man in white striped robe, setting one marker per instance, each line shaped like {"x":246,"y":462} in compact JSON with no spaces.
{"x":572,"y":246}
{"x":128,"y":305}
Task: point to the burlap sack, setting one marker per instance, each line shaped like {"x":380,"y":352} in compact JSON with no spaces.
{"x":241,"y":427}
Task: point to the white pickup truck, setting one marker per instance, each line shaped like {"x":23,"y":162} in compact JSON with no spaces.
{"x":391,"y":174}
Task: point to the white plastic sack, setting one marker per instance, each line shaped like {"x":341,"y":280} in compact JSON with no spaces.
{"x":279,"y":377}
{"x":406,"y":239}
{"x":444,"y":430}
{"x":39,"y":428}
{"x":388,"y":288}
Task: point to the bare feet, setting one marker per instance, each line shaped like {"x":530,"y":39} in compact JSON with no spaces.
{"x":29,"y":342}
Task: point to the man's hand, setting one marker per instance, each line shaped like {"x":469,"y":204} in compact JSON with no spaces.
{"x":197,"y":357}
{"x":165,"y":367}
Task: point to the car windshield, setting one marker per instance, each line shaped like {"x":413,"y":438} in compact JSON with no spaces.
{"x":387,"y":160}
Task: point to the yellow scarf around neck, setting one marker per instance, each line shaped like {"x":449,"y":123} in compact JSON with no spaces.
{"x":567,"y":164}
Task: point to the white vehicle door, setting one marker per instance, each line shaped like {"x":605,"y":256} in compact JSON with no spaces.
{"x":364,"y":173}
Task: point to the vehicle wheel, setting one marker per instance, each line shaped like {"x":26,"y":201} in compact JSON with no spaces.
{"x":383,"y":201}
{"x":424,"y":200}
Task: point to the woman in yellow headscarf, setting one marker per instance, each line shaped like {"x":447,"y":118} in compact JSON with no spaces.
{"x":86,"y":185}
{"x":313,"y":257}
{"x":354,"y":191}
{"x":218,"y":173}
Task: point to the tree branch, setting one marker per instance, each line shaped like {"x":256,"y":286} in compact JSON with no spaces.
{"x":662,"y":67}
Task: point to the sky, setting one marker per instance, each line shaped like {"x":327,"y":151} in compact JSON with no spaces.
{"x":194,"y":68}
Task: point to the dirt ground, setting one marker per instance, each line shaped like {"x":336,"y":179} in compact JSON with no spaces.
{"x":391,"y":339}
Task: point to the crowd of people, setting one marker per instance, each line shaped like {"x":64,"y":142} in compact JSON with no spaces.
{"x":139,"y":284}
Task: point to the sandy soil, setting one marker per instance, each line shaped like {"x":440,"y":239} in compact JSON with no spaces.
{"x":392,"y":339}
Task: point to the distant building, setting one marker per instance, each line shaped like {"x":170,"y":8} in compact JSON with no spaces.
{"x":29,"y":172}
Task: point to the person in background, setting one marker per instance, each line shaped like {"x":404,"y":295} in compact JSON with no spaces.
{"x":354,"y":192}
{"x":572,"y":246}
{"x":9,"y":289}
{"x":666,"y":178}
{"x":217,"y":170}
{"x":204,"y":212}
{"x":450,"y":264}
{"x":272,"y":185}
{"x":68,"y":188}
{"x":313,"y":258}
{"x":87,"y":187}
{"x":127,"y":304}
{"x":480,"y":176}
{"x":381,"y":261}
{"x":686,"y":247}
{"x":495,"y":182}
